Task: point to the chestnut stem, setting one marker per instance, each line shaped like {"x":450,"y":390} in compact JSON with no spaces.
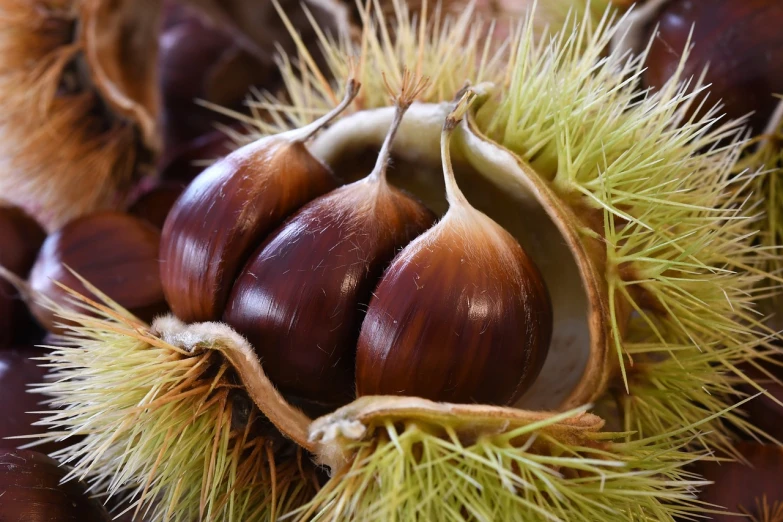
{"x":378,"y":173}
{"x":309,"y":130}
{"x":454,"y":195}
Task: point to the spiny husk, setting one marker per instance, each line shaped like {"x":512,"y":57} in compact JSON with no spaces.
{"x":167,"y":430}
{"x":63,"y":151}
{"x":659,"y":189}
{"x":410,"y":459}
{"x":154,"y":424}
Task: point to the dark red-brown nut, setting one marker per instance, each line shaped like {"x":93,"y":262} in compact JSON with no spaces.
{"x":153,"y":205}
{"x":228,"y":210}
{"x":740,"y":41}
{"x":115,"y":252}
{"x":19,"y":370}
{"x":31,"y":491}
{"x":301,"y":298}
{"x":747,"y":488}
{"x":765,"y":411}
{"x":462,"y":314}
{"x":182,"y":164}
{"x":20,"y":239}
{"x":201,"y":62}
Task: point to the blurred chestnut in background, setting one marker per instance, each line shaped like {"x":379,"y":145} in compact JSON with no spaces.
{"x":115,"y":252}
{"x":153,"y":205}
{"x":31,"y":491}
{"x":200,"y":62}
{"x":20,"y":239}
{"x":18,"y":370}
{"x":740,"y":41}
{"x":763,"y":412}
{"x":744,"y":488}
{"x":183,"y":163}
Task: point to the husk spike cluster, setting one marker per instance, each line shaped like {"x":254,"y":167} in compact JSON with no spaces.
{"x":167,"y":430}
{"x":412,"y":458}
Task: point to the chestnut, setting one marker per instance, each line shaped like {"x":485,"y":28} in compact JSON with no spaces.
{"x":230,"y":208}
{"x":18,"y":371}
{"x":115,"y":252}
{"x":751,"y":487}
{"x":462,"y":314}
{"x":301,"y":298}
{"x":765,"y":412}
{"x":740,"y":42}
{"x":153,"y":205}
{"x":183,"y":163}
{"x":20,"y":239}
{"x":198,"y":61}
{"x":31,"y":490}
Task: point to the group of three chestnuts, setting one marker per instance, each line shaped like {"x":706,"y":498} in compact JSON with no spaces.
{"x":346,"y":290}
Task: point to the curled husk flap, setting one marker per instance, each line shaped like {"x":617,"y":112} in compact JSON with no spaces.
{"x":79,"y":103}
{"x":402,"y":457}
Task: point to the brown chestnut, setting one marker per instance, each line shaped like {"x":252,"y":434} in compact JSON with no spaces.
{"x":301,"y":298}
{"x":19,"y":370}
{"x":744,"y":488}
{"x":154,"y":205}
{"x":461,"y":315}
{"x":198,"y":61}
{"x":31,"y":491}
{"x":115,"y":252}
{"x":20,"y":239}
{"x":183,"y":163}
{"x":230,"y":208}
{"x":765,"y":412}
{"x":740,"y":41}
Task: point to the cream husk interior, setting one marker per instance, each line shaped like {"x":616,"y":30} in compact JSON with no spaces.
{"x":495,"y":183}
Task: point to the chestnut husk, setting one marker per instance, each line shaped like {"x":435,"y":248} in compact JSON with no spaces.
{"x":641,"y":476}
{"x":80,"y":104}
